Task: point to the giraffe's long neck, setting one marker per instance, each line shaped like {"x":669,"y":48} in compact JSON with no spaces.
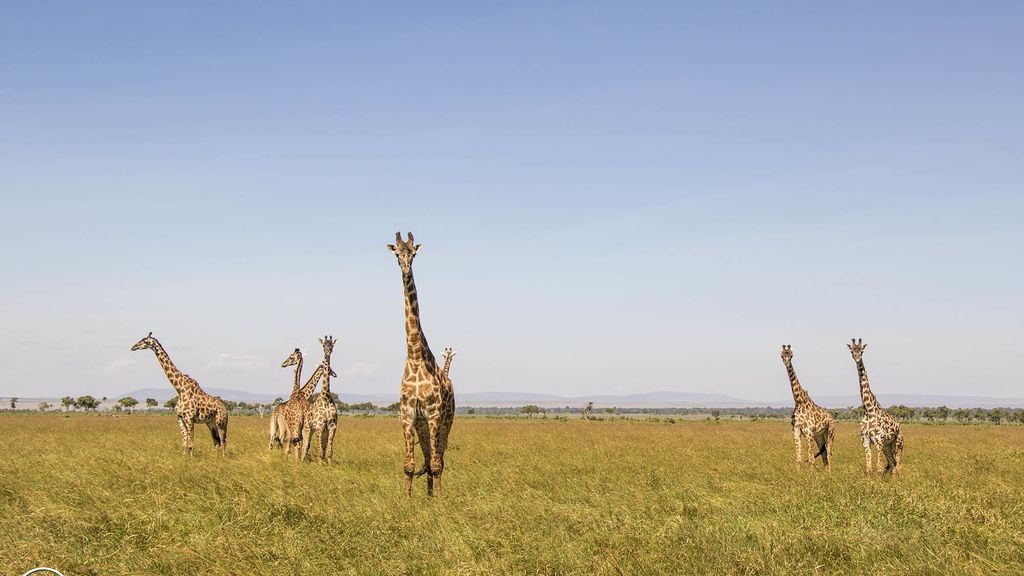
{"x":178,"y":380}
{"x":416,"y":342}
{"x":310,"y":385}
{"x":298,"y":377}
{"x":867,"y":397}
{"x":800,"y":395}
{"x":325,"y":392}
{"x":447,"y":365}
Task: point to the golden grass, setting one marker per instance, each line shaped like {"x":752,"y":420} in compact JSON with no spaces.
{"x":92,"y":495}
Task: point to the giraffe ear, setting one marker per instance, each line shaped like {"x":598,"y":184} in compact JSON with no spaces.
{"x":416,"y":248}
{"x":392,"y":248}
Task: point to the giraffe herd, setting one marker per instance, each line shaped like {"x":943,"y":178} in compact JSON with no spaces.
{"x":427,"y":402}
{"x":878,"y":427}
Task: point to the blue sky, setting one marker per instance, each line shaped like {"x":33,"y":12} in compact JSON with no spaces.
{"x":612,"y":197}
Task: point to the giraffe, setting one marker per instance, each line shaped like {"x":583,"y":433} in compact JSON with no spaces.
{"x":878,"y":427}
{"x":277,"y":424}
{"x":421,"y":399}
{"x":322,"y":419}
{"x":194,"y":405}
{"x":809,"y":419}
{"x":447,"y":408}
{"x":294,"y":412}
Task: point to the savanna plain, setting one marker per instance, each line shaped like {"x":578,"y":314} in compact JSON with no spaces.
{"x":94,"y":495}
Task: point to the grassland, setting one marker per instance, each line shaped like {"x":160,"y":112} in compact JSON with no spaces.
{"x":92,"y":495}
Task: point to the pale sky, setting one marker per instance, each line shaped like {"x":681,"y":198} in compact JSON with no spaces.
{"x":612,"y":197}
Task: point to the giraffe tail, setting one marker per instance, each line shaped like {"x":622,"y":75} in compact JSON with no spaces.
{"x":216,"y":436}
{"x":421,"y":471}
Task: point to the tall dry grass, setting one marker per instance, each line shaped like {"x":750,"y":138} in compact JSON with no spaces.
{"x":93,"y":495}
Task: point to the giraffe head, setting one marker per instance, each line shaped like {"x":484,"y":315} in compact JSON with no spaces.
{"x":857,"y":348}
{"x":328,"y":343}
{"x":293,"y":359}
{"x":448,"y":353}
{"x":147,"y":342}
{"x":404,"y":251}
{"x":787,"y":352}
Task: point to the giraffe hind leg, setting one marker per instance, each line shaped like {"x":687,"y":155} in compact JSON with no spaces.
{"x":890,"y":459}
{"x":898,"y":453}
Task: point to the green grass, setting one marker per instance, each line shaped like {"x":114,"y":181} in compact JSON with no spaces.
{"x":92,"y":495}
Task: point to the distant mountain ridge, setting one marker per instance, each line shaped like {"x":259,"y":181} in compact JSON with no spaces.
{"x":657,"y":399}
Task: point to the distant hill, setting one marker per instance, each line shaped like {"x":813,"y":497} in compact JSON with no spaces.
{"x":917,"y":400}
{"x":163,"y":394}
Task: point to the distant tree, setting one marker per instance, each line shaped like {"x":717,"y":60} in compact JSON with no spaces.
{"x":996,"y":415}
{"x":170,"y":404}
{"x":278,"y":400}
{"x":472,"y":411}
{"x":87,"y":402}
{"x":942,"y":413}
{"x":128,"y":402}
{"x":14,"y":402}
{"x":961,"y":415}
{"x":151,"y":403}
{"x":43,"y":406}
{"x":68,"y":403}
{"x":393,"y":407}
{"x":530,"y":410}
{"x":716,"y":414}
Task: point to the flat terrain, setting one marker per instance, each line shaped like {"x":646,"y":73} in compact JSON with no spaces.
{"x":95,"y":495}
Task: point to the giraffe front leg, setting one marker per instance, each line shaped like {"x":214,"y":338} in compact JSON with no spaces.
{"x":796,"y":442}
{"x":190,"y":434}
{"x":183,"y":432}
{"x":307,"y":434}
{"x":865,"y":440}
{"x":409,"y":434}
{"x":436,"y":465}
{"x":333,"y":427}
{"x":321,"y":444}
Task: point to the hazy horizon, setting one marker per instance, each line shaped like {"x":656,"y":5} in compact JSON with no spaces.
{"x":611,"y":199}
